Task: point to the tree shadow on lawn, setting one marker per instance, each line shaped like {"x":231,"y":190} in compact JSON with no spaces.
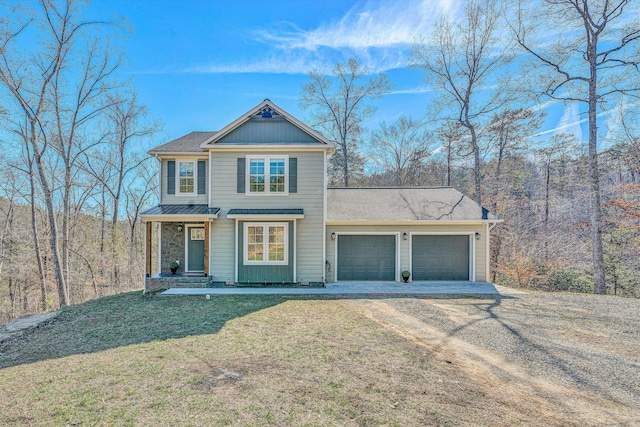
{"x":128,"y":318}
{"x":133,"y":318}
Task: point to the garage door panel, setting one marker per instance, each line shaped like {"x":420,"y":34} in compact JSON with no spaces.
{"x":366,"y":257}
{"x":440,"y":257}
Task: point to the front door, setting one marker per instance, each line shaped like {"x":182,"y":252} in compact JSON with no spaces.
{"x":195,"y":249}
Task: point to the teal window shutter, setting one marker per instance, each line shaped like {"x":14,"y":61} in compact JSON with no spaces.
{"x":241,"y":174}
{"x":171,"y":177}
{"x":293,"y":175}
{"x":202,"y":177}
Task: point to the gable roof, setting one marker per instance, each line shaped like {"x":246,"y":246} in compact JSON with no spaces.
{"x":388,"y":205}
{"x":266,"y":110}
{"x":189,"y":143}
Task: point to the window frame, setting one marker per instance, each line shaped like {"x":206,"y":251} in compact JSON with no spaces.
{"x":267,"y":175}
{"x":194,"y":163}
{"x":265,"y":243}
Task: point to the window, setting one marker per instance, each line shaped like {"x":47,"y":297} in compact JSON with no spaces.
{"x":197,"y":233}
{"x":267,"y":175}
{"x":186,"y":177}
{"x":265,"y":243}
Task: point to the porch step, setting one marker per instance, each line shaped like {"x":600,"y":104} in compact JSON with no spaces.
{"x":191,"y":282}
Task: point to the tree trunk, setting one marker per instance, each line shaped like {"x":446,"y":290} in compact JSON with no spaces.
{"x":599,"y":282}
{"x":63,"y":293}
{"x":36,"y":244}
{"x":546,"y":210}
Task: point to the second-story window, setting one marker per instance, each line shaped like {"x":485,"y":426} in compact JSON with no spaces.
{"x":267,"y":175}
{"x":186,"y":177}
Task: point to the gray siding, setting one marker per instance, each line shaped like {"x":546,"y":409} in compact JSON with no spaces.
{"x":309,"y":196}
{"x":267,"y":131}
{"x":176,"y":199}
{"x":222,"y":247}
{"x":404,"y":252}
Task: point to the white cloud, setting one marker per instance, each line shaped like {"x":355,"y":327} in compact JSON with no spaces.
{"x":270,"y":65}
{"x":365,"y":26}
{"x":569,"y":123}
{"x":412,"y":91}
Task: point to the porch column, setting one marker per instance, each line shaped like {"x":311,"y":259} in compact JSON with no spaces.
{"x":206,"y":248}
{"x":148,"y":249}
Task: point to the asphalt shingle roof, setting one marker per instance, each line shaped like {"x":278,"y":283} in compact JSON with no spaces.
{"x":189,"y":143}
{"x":401,"y":204}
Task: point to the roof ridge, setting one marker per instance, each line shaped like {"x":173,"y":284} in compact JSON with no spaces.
{"x":390,"y":188}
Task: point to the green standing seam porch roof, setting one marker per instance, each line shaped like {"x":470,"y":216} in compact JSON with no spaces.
{"x":201,"y":210}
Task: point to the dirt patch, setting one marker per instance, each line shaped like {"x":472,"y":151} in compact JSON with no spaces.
{"x":496,"y":375}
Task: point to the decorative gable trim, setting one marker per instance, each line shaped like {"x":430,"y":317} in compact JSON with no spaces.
{"x":265,"y":110}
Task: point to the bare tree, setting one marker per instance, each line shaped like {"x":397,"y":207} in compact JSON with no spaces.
{"x":595,"y":59}
{"x":451,"y":135}
{"x":127,"y":120}
{"x":339,"y":105}
{"x":76,"y":108}
{"x":31,"y":80}
{"x":508,"y":134}
{"x":463,"y":59}
{"x":401,"y":149}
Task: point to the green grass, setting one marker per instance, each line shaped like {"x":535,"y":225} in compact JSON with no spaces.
{"x":231,"y":360}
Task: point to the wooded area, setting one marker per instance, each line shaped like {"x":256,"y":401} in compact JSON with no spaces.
{"x":75,"y":174}
{"x":74,"y":177}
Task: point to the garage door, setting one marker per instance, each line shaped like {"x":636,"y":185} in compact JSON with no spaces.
{"x":440,"y":258}
{"x":366,"y":257}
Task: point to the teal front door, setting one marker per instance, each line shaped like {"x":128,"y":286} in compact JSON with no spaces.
{"x":195,"y":249}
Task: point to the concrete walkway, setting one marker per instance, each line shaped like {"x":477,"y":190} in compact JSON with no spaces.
{"x":26,"y":322}
{"x":425,"y":289}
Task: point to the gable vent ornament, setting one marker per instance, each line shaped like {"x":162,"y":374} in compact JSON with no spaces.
{"x":267,"y":112}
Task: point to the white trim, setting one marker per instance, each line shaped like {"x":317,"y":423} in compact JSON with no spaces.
{"x":207,"y":184}
{"x":186,"y":247}
{"x":266,"y":216}
{"x":144,"y":288}
{"x":178,"y":193}
{"x":324,"y":221}
{"x":245,"y":117}
{"x":286,"y":147}
{"x":160,"y":179}
{"x":267,"y":168}
{"x":235,"y":253}
{"x":367,"y":233}
{"x":178,"y":218}
{"x":295,"y":251}
{"x":487,"y":254}
{"x":159,"y":227}
{"x":265,"y":243}
{"x":472,"y":248}
{"x":401,"y":223}
{"x":171,"y":155}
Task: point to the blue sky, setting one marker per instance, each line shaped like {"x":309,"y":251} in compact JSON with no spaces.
{"x":198,"y":65}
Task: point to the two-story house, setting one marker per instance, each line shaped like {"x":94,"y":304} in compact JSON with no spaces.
{"x":250,"y":204}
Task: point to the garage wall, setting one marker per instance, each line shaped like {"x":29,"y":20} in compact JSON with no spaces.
{"x":480,"y":263}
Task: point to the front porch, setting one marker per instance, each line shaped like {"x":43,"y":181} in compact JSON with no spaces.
{"x":183,"y":236}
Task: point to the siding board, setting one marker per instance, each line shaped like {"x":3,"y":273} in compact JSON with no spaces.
{"x":309,"y":196}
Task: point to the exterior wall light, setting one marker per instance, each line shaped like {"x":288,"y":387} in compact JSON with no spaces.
{"x":179,"y":228}
{"x":333,"y":236}
{"x":405,"y":236}
{"x":477,"y":236}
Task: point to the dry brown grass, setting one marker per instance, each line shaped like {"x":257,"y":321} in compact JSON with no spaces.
{"x":263,"y":361}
